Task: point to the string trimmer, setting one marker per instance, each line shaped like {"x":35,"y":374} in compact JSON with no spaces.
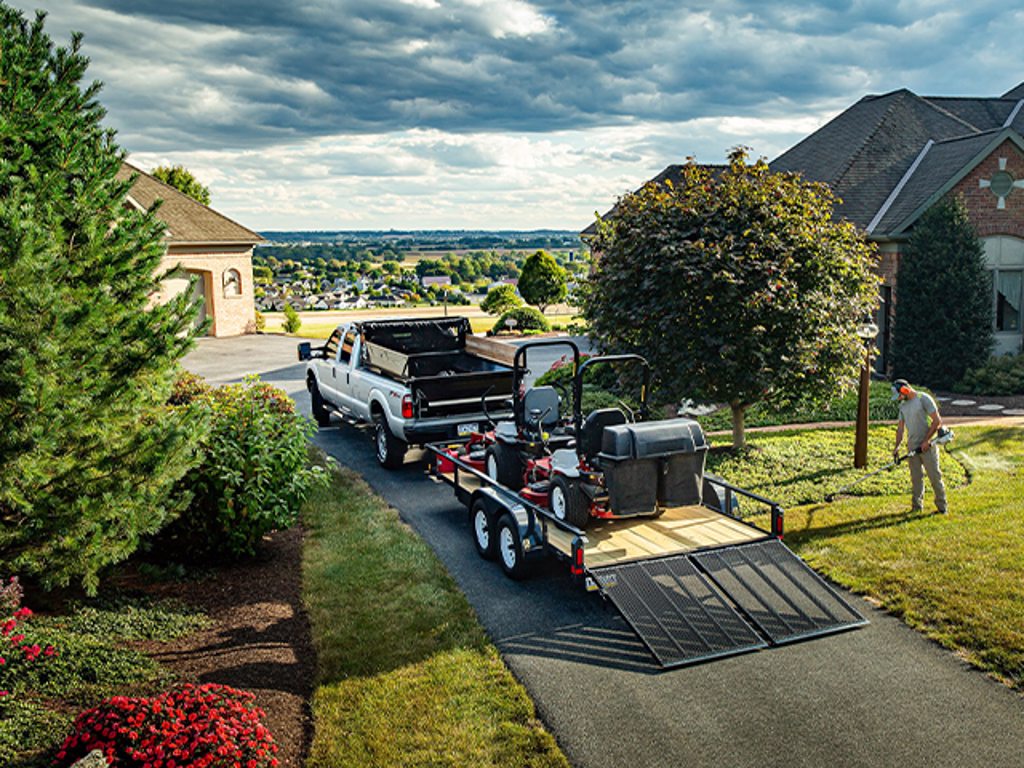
{"x":943,"y":436}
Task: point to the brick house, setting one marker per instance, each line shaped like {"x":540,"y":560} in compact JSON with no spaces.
{"x":203,"y":243}
{"x":890,"y":157}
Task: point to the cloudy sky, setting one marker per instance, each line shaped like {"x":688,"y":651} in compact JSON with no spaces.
{"x":499,"y":114}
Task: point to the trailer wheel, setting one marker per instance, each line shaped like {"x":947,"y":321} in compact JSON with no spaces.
{"x":505,"y":466}
{"x":321,"y":413}
{"x":510,"y":548}
{"x":481,"y":523}
{"x":390,"y":450}
{"x":569,"y":503}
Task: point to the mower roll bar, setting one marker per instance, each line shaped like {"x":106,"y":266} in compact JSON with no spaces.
{"x":519,"y":370}
{"x":577,"y":384}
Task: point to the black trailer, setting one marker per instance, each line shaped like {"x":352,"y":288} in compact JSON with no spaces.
{"x":695,"y":583}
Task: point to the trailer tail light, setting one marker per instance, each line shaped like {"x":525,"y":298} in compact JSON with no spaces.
{"x":577,"y":557}
{"x":407,"y":407}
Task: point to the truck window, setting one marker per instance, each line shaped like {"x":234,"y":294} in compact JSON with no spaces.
{"x":331,"y":348}
{"x":346,"y":347}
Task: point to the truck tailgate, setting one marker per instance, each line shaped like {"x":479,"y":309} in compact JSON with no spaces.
{"x":460,"y":393}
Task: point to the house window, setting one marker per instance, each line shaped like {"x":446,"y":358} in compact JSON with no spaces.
{"x":1008,"y":299}
{"x":232,"y":283}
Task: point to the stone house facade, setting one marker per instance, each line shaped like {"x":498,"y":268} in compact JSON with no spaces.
{"x":204,"y":245}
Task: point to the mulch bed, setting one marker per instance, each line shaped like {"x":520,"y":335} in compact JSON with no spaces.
{"x":259,"y":640}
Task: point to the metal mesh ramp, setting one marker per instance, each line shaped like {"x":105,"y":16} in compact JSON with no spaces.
{"x":777,"y":591}
{"x":677,"y":613}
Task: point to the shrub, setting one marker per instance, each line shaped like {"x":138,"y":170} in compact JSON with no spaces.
{"x":188,"y":387}
{"x":292,"y":321}
{"x":999,"y":376}
{"x":500,"y":299}
{"x":526,"y":319}
{"x":260,"y":322}
{"x":205,"y":726}
{"x":252,"y":477}
{"x":17,"y":650}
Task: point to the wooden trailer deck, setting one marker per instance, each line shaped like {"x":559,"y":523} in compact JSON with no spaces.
{"x":677,"y":530}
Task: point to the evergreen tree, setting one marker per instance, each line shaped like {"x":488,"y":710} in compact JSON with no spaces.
{"x":88,"y":453}
{"x":542,"y":281}
{"x":183,"y":180}
{"x":943,"y":322}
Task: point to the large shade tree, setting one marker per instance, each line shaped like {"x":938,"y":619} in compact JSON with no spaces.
{"x":736,"y":284}
{"x":542,"y":281}
{"x":183,"y":180}
{"x":88,"y":455}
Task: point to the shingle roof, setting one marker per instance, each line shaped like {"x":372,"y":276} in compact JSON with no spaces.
{"x":188,"y":221}
{"x":866,"y":152}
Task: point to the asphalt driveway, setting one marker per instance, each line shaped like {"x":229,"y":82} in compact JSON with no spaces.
{"x":882,"y":695}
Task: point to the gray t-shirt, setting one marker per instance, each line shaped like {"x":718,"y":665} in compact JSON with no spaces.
{"x":915,"y":414}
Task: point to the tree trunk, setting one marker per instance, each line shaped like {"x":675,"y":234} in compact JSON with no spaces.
{"x":738,"y":435}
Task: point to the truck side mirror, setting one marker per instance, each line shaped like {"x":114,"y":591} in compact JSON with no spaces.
{"x":305,"y":351}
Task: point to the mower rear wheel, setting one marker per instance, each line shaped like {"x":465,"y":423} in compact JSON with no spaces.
{"x":569,"y":503}
{"x":505,"y":466}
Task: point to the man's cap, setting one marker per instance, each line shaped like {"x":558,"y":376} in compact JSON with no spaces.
{"x":897,"y":385}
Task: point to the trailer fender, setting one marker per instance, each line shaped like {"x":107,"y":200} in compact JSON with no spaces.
{"x":498,"y":504}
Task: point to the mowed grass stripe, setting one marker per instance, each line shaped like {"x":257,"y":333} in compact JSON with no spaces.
{"x":407,"y":676}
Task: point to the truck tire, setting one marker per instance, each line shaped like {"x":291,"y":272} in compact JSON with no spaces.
{"x":510,"y":548}
{"x":569,"y":503}
{"x":481,"y":523}
{"x":505,"y":466}
{"x":321,"y":413}
{"x":390,"y":450}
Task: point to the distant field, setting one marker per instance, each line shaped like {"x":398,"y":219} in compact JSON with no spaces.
{"x":318,"y":325}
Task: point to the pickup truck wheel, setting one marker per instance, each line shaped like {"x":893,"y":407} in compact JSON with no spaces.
{"x":321,"y":413}
{"x":510,"y":548}
{"x":482,"y":524}
{"x":505,"y":466}
{"x":569,"y":503}
{"x":390,"y":450}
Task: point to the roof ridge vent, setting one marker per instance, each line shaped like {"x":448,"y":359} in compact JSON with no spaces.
{"x":1013,"y":115}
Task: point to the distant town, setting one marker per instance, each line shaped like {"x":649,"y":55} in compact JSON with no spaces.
{"x":341,"y":270}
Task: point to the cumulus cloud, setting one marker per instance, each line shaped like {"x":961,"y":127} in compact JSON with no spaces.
{"x":553,"y":107}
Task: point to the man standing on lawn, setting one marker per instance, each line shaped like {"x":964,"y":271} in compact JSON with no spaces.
{"x":919,"y":417}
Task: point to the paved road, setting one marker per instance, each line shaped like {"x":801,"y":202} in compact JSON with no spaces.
{"x":878,"y":696}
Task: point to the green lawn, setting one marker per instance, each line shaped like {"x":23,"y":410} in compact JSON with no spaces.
{"x":406,"y":674}
{"x":957,"y":578}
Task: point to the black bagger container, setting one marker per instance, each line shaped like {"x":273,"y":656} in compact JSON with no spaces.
{"x":653,"y":464}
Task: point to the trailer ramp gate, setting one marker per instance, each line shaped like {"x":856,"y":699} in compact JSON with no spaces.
{"x":695,"y":607}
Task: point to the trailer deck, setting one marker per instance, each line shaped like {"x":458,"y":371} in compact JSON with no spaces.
{"x":693,"y":583}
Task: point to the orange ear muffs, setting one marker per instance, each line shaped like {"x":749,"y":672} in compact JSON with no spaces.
{"x":904,"y":391}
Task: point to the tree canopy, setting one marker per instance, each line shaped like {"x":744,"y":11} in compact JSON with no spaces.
{"x":500,"y":300}
{"x":736,"y":284}
{"x":943,"y":318}
{"x":183,"y":180}
{"x":542,"y":281}
{"x":88,"y":454}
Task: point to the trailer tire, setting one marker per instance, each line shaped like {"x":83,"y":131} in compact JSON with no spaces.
{"x":509,"y":546}
{"x":505,"y":466}
{"x":569,"y":503}
{"x":390,"y":450}
{"x":481,"y":524}
{"x":321,"y":413}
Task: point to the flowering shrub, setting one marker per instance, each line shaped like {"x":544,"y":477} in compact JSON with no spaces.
{"x":252,"y":478}
{"x":204,"y":726}
{"x":16,"y":649}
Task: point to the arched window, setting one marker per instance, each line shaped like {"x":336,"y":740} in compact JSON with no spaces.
{"x":232,"y":282}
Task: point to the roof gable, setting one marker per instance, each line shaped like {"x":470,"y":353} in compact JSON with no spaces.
{"x":188,"y":221}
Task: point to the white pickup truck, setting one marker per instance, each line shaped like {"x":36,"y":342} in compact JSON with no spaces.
{"x":414,"y":380}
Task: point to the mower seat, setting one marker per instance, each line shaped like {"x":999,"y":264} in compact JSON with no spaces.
{"x":545,"y":401}
{"x":589,"y":438}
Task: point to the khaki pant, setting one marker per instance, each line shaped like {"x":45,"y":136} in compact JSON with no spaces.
{"x":919,"y":464}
